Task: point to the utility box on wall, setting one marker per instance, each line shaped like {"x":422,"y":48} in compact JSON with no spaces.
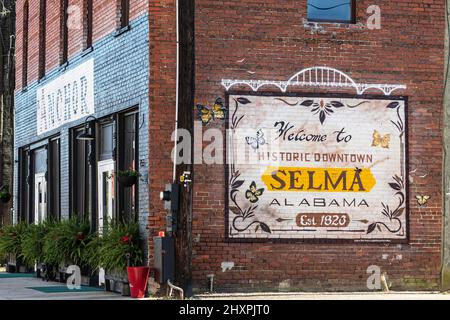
{"x":164,"y":259}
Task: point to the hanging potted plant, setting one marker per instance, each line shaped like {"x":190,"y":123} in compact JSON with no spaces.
{"x":5,"y":195}
{"x":128,"y":178}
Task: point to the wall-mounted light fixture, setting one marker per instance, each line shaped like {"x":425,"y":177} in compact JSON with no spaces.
{"x":86,"y":135}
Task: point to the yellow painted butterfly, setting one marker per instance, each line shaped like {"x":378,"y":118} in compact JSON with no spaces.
{"x":219,"y":109}
{"x":207,"y":114}
{"x":382,"y":141}
{"x":253,"y":193}
{"x":422,"y":200}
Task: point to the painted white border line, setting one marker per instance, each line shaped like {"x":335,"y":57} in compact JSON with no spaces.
{"x":315,"y":77}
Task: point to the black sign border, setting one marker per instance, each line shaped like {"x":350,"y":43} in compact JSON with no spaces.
{"x":379,"y":241}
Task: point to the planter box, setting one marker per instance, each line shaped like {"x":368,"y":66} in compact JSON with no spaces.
{"x":46,"y":272}
{"x":89,"y":278}
{"x":10,"y":268}
{"x":117,"y":283}
{"x":117,"y":286}
{"x":16,"y":265}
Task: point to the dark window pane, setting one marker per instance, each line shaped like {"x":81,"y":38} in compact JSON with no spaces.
{"x":330,"y":10}
{"x":124,"y":13}
{"x":88,"y":23}
{"x":128,"y":152}
{"x":64,"y":31}
{"x":40,"y":161}
{"x":24,"y":196}
{"x":42,"y":38}
{"x":107,"y":143}
{"x":81,"y":178}
{"x":54,"y":169}
{"x":25,"y":44}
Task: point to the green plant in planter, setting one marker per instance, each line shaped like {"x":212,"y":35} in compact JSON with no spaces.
{"x":128,"y":173}
{"x":33,"y":242}
{"x":11,"y":239}
{"x":66,"y":241}
{"x":128,"y":177}
{"x":109,"y":250}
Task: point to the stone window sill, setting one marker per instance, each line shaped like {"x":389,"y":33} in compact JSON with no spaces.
{"x":122,"y":31}
{"x":87,"y":51}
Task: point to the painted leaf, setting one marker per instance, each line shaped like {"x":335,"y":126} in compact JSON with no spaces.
{"x":371,"y":228}
{"x":322,"y":117}
{"x":307,"y":103}
{"x":385,"y":213}
{"x":265,"y":227}
{"x":235,"y":210}
{"x":337,"y":104}
{"x":237,"y":184}
{"x":395,"y":186}
{"x":398,"y":212}
{"x":393,"y":105}
{"x":243,"y":100}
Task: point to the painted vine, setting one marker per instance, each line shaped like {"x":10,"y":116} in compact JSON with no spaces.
{"x":242,"y":214}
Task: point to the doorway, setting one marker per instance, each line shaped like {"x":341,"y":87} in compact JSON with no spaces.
{"x":39,"y":185}
{"x":40,"y":198}
{"x":106,"y":201}
{"x":105,"y":196}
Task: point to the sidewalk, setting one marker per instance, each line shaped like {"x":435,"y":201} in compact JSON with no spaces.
{"x":18,"y":288}
{"x":407,"y":295}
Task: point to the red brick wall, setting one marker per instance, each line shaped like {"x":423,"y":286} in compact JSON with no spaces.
{"x":272,"y":38}
{"x":162,"y":107}
{"x":105,"y":19}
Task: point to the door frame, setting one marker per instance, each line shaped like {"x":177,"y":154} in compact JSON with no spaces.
{"x":40,"y":178}
{"x":102,"y":167}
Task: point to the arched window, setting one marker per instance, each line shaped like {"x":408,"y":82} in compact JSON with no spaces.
{"x":87,"y":23}
{"x":42,"y":38}
{"x":124,"y":13}
{"x":64,"y":34}
{"x":26,"y":16}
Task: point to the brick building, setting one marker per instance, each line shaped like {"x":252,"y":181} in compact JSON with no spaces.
{"x":7,"y":27}
{"x":339,"y":107}
{"x":81,"y":110}
{"x":312,"y":67}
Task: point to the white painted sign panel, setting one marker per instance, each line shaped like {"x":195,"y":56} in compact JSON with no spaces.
{"x":67,"y":98}
{"x":316,"y":168}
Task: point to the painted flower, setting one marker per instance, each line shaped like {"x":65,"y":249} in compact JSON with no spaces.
{"x":80,"y":236}
{"x":125,"y":239}
{"x":322,"y":108}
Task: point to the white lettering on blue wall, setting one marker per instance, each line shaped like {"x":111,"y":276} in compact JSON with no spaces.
{"x":67,"y":98}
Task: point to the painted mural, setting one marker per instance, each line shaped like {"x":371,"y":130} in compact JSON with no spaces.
{"x":316,"y":168}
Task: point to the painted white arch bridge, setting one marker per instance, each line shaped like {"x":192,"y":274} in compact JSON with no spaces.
{"x":315,"y":77}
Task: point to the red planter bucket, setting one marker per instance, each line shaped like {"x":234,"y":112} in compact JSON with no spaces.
{"x":138,"y":278}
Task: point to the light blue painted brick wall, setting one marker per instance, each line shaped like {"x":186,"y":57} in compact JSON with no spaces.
{"x":121,"y":75}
